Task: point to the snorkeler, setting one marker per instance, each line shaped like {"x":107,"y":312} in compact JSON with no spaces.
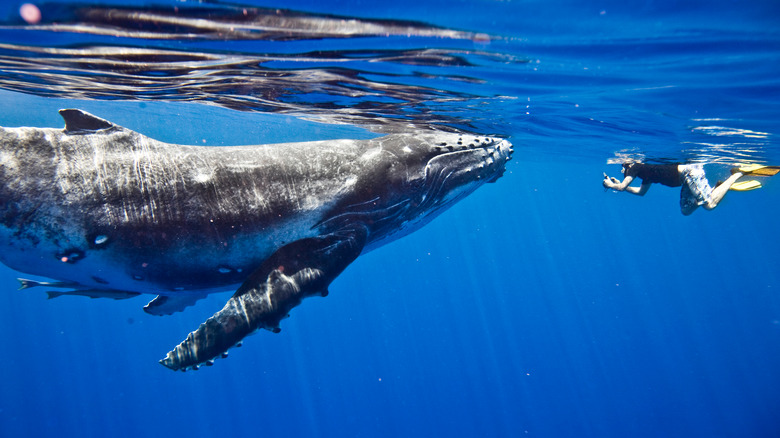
{"x":696,"y":190}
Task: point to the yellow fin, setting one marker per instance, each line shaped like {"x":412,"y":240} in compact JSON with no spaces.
{"x":744,"y":186}
{"x":759,"y":170}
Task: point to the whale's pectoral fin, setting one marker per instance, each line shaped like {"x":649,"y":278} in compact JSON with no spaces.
{"x":167,"y":305}
{"x":295,"y":271}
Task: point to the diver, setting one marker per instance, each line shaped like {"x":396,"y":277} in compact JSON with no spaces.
{"x":696,"y":190}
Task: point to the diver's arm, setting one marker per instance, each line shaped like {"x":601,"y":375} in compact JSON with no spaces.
{"x":639,"y":191}
{"x":624,"y":186}
{"x":614,"y":184}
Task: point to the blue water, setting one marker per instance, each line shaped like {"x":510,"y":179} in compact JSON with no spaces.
{"x":538,"y":306}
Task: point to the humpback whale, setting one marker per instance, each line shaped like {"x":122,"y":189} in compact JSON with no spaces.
{"x":105,"y":211}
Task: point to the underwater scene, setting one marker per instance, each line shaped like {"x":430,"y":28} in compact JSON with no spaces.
{"x":483,"y":218}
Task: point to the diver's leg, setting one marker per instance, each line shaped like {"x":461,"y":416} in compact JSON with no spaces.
{"x":690,"y":195}
{"x":720,"y":191}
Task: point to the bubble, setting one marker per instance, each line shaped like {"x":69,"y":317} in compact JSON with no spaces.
{"x":30,"y":13}
{"x":481,"y":38}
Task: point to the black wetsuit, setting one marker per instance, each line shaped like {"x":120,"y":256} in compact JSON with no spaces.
{"x":666,"y":174}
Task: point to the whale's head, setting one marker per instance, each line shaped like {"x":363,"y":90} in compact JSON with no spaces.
{"x":426,"y":173}
{"x":458,"y":164}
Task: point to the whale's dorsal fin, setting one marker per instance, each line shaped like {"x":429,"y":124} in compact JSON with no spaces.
{"x":77,"y":120}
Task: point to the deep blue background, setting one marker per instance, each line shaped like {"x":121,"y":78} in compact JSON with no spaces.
{"x":539,"y":306}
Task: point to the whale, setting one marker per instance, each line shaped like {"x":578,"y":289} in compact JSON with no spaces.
{"x":103,"y":211}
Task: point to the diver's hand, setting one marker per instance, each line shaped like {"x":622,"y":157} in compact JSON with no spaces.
{"x":607,"y":182}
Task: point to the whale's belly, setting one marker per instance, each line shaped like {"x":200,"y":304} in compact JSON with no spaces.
{"x":161,"y":260}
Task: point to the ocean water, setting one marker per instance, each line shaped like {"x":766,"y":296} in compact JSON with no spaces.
{"x":538,"y":306}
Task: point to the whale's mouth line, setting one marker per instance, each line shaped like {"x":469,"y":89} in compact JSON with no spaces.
{"x":365,"y":215}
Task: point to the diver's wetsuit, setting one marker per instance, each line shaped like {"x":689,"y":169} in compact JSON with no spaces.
{"x":665,"y":174}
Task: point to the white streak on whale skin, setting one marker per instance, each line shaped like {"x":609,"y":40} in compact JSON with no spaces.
{"x":111,"y":212}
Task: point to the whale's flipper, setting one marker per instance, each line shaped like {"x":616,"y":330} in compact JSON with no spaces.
{"x":78,"y":121}
{"x":167,"y":305}
{"x":295,"y":271}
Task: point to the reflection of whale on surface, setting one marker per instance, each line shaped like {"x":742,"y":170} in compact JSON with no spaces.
{"x":110,"y":212}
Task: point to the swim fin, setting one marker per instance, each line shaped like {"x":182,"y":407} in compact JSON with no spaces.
{"x":759,"y":170}
{"x":744,"y":186}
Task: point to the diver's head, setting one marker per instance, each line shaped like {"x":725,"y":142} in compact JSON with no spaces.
{"x":628,"y":165}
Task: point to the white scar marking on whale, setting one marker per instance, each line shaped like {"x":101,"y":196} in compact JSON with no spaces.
{"x":202,"y":177}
